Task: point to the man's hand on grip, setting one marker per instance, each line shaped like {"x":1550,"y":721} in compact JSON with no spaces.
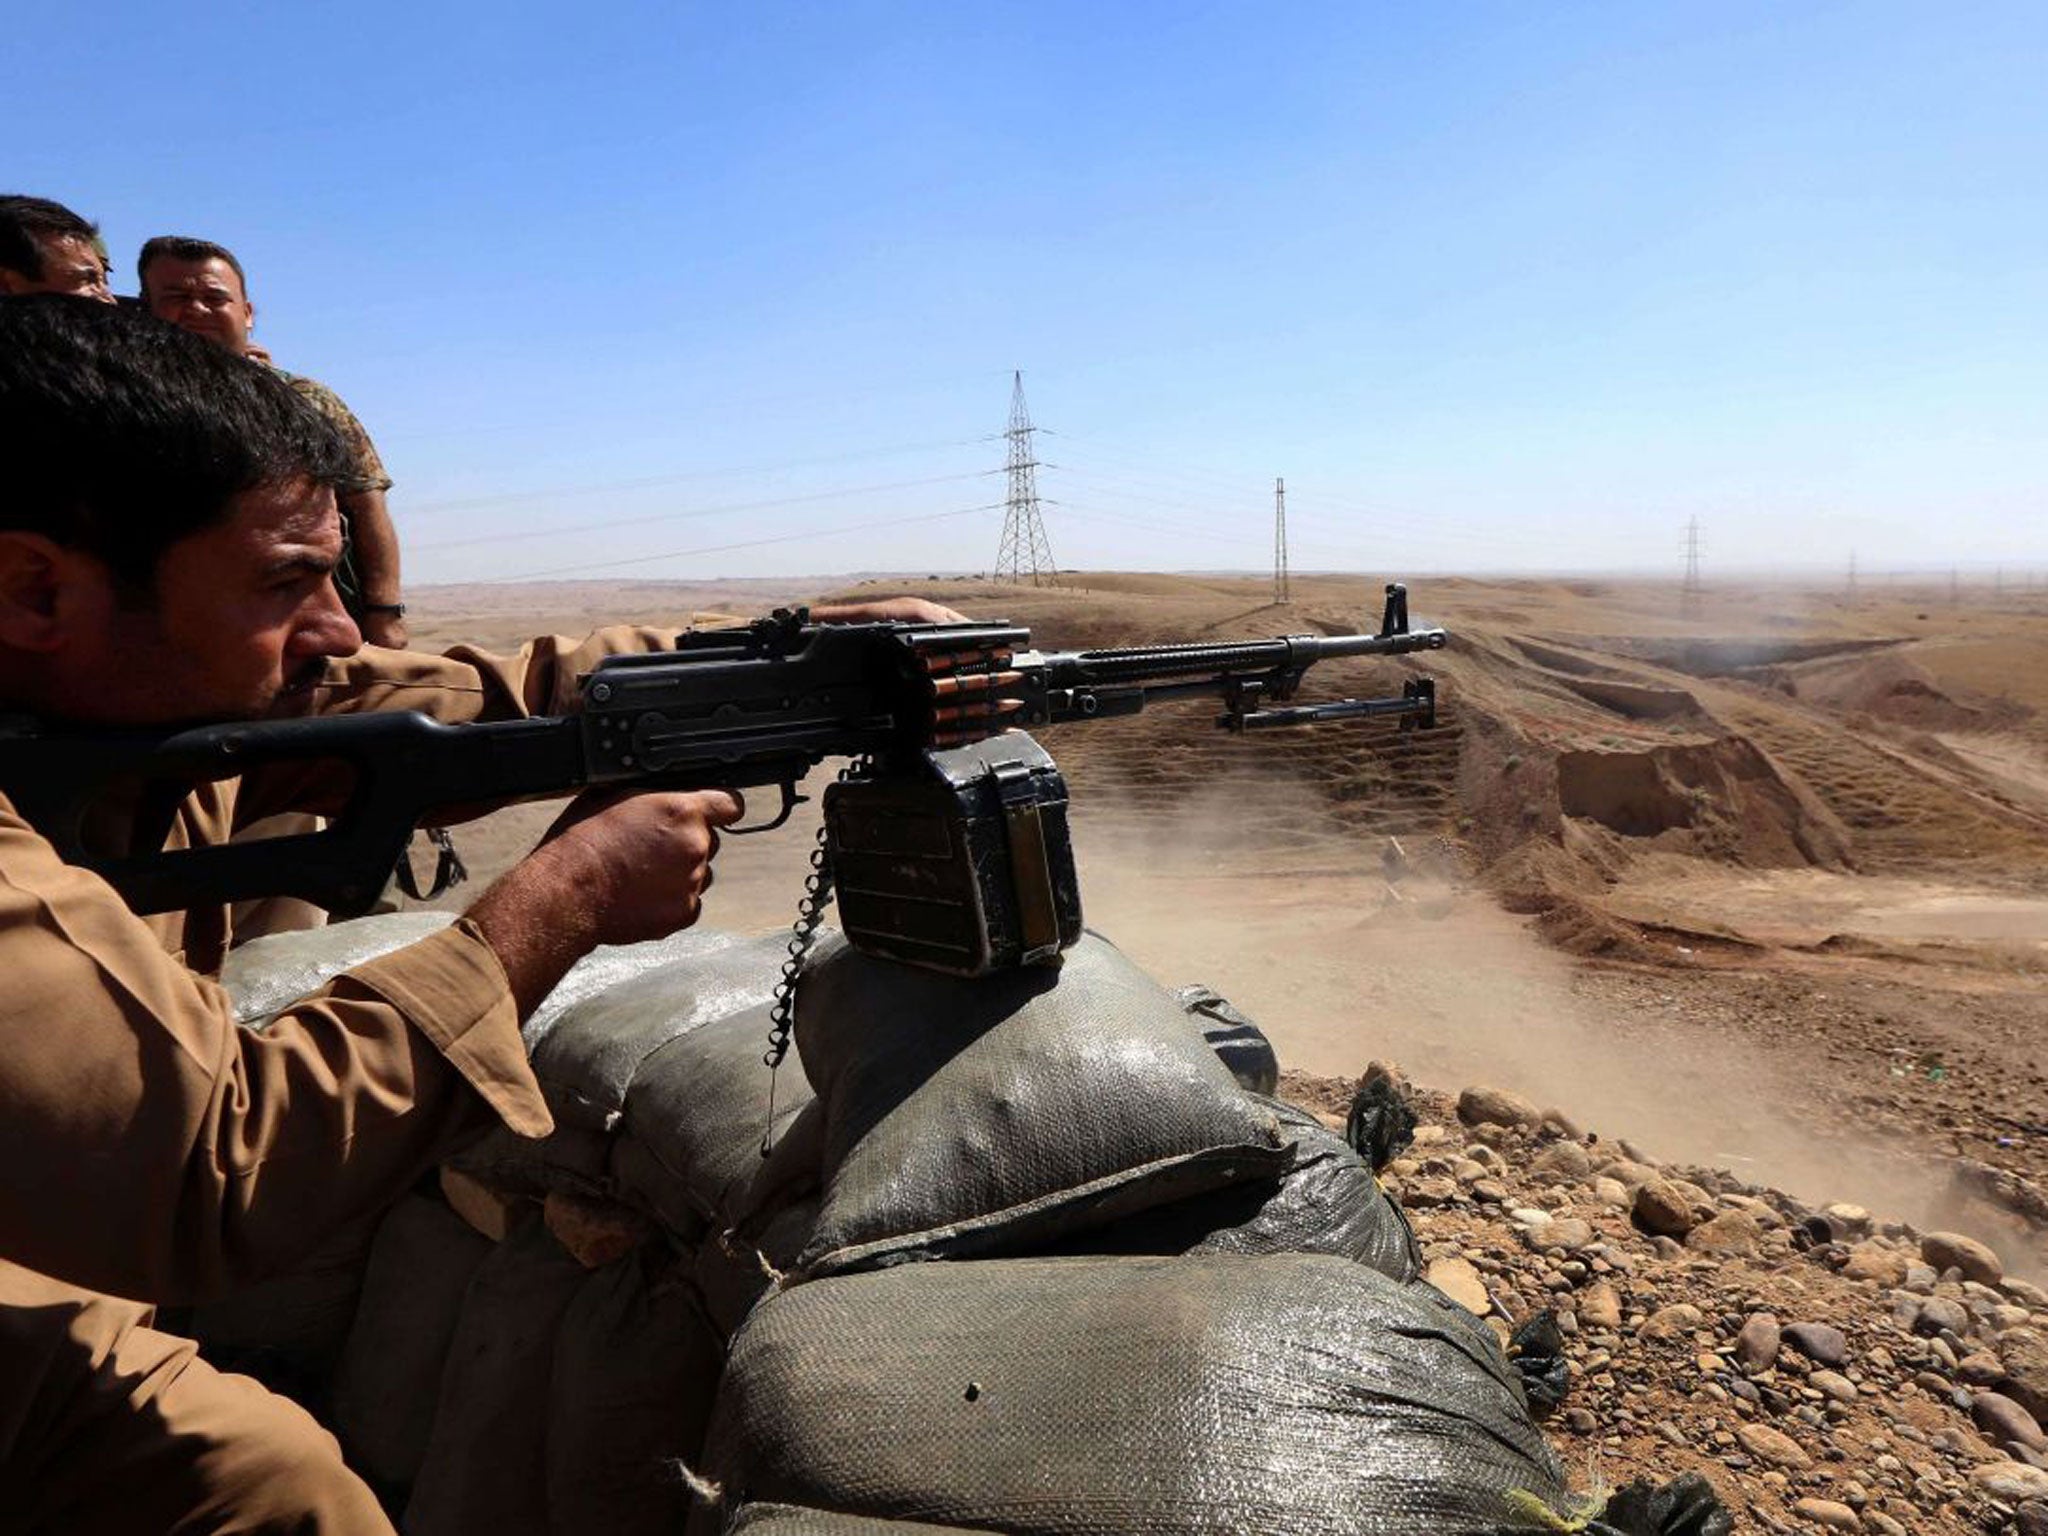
{"x":615,"y":868}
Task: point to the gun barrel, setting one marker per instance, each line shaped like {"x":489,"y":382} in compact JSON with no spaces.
{"x":1292,"y":653}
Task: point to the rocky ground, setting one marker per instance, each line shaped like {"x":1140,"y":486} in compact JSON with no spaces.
{"x":1821,"y":1369}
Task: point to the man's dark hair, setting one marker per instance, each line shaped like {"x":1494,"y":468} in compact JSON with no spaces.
{"x":121,"y":435}
{"x":25,"y":222}
{"x":185,"y":248}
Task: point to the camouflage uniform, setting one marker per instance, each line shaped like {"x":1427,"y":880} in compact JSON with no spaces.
{"x":369,"y":475}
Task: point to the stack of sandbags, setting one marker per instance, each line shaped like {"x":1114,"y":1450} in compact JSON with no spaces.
{"x":531,"y":1348}
{"x":1299,"y":1395}
{"x":1184,"y":1308}
{"x":1167,"y":1303}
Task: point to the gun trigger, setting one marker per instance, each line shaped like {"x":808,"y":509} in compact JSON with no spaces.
{"x":790,"y":801}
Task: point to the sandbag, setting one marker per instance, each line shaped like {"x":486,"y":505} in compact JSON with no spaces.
{"x":573,"y":1160}
{"x":972,"y":1117}
{"x":615,"y":1007}
{"x":695,"y":1116}
{"x":788,"y":1520}
{"x":288,"y":1331}
{"x":618,"y":1007}
{"x":1290,"y":1395}
{"x":266,"y":975}
{"x":1238,"y":1042}
{"x":734,"y":1271}
{"x":485,"y":1466}
{"x":1327,"y":1202}
{"x":636,"y":1366}
{"x":767,"y":1224}
{"x":390,"y":1369}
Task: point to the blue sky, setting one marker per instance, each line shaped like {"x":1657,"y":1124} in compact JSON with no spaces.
{"x":1495,"y":287}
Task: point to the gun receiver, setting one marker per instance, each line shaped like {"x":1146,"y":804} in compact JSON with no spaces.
{"x":744,"y":708}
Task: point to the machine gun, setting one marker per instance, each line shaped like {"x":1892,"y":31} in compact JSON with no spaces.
{"x":947,"y":835}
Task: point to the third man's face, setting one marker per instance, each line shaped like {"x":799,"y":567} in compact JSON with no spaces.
{"x":71,"y":264}
{"x":203,"y":297}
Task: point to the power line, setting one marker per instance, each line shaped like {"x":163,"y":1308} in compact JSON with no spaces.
{"x":1024,"y":545}
{"x":694,"y":512}
{"x":1689,"y":593}
{"x":650,"y":482}
{"x":719,"y":549}
{"x":1279,"y":540}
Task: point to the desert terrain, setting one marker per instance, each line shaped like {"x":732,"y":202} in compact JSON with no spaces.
{"x":1752,"y":888}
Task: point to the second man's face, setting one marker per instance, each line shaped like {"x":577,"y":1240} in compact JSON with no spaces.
{"x":203,"y":297}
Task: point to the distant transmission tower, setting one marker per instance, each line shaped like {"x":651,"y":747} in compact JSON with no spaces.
{"x":1279,"y":540}
{"x":1852,"y":573}
{"x":1024,"y":548}
{"x":1689,"y":593}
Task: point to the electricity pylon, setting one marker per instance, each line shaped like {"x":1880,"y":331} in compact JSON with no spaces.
{"x":1024,"y":548}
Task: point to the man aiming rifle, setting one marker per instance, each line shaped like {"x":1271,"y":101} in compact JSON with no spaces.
{"x":168,"y":539}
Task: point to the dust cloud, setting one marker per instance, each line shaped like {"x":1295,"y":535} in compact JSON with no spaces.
{"x":1261,"y":895}
{"x":1341,"y":965}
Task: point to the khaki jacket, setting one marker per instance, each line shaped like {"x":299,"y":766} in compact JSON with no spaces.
{"x":158,"y":1151}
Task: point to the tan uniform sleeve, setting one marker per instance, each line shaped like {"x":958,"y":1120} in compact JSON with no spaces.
{"x":155,"y":1149}
{"x":461,"y":685}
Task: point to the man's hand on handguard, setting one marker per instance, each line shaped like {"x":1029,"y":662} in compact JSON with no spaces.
{"x":614,"y":869}
{"x":900,"y":610}
{"x":385,"y":629}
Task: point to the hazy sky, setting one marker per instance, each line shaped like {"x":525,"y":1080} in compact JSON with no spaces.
{"x":1493,"y":286}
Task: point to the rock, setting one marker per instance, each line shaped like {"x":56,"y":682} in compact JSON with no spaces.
{"x":1772,"y":1446}
{"x":1599,"y":1307}
{"x":1457,"y":1279}
{"x":1428,"y":1193}
{"x":1562,"y":1235}
{"x":2025,"y":1354}
{"x":1611,"y":1192}
{"x":2031,"y":1519}
{"x":1697,"y":1196}
{"x":1732,"y":1234}
{"x":1756,"y":1346}
{"x":1834,"y":1384}
{"x":2006,"y":1422}
{"x":2013,"y":1482}
{"x":1876,"y":1264}
{"x":1951,"y":1250}
{"x":1490,"y":1192}
{"x":2025,"y":1292}
{"x":1982,"y":1369}
{"x":1562,"y":1160}
{"x":1938,"y":1314}
{"x":1672,"y":1322}
{"x":1836,"y":1517}
{"x":1556,"y":1120}
{"x":1496,"y":1106}
{"x":1629,"y":1175}
{"x":489,"y":1211}
{"x":1883,"y":1523}
{"x":595,"y":1232}
{"x":1818,"y":1342}
{"x":1660,"y":1208}
{"x":1851,"y":1220}
{"x":1921,"y":1280}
